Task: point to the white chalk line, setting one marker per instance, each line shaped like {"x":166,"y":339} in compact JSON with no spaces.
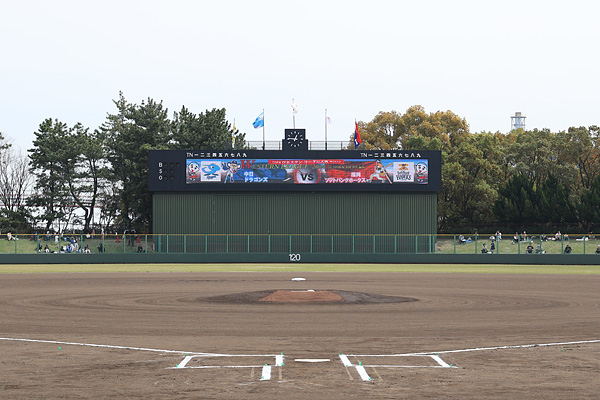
{"x":219,"y":366}
{"x":107,"y":346}
{"x":266,"y":373}
{"x":362,"y":372}
{"x":522,"y":346}
{"x":441,"y":363}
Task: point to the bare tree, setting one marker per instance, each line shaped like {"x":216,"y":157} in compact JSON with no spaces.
{"x":15,"y":177}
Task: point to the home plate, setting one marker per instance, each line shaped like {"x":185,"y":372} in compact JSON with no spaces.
{"x":298,"y":279}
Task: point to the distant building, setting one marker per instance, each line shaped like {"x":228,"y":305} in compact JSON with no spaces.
{"x":517,"y":121}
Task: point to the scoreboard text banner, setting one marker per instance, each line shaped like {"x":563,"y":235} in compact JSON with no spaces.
{"x":305,"y":172}
{"x":280,"y":170}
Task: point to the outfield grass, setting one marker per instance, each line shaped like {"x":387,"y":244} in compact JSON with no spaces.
{"x":299,"y":268}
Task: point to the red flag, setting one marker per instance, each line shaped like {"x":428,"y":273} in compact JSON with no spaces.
{"x":357,"y":140}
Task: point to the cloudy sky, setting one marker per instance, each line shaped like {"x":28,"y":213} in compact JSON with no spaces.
{"x":483,"y":60}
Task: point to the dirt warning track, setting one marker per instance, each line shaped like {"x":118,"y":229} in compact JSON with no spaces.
{"x":212,"y":335}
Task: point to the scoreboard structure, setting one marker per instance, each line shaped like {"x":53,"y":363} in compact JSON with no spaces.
{"x":322,"y":171}
{"x":294,"y":191}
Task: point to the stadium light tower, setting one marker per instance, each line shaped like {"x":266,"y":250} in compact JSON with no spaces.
{"x":517,"y":121}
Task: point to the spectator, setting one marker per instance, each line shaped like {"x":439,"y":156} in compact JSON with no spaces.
{"x":530,"y":248}
{"x":9,"y":236}
{"x":86,"y":249}
{"x":558,"y":236}
{"x":100,"y":248}
{"x":598,"y":249}
{"x":538,"y":249}
{"x":568,"y":249}
{"x":492,"y":247}
{"x":484,"y":249}
{"x":140,"y":249}
{"x":566,"y":237}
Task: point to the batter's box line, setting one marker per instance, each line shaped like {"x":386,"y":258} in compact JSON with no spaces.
{"x":362,"y":372}
{"x":442,"y":364}
{"x":266,"y":368}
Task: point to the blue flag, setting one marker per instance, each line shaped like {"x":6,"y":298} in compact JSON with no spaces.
{"x":259,"y":121}
{"x":357,"y":139}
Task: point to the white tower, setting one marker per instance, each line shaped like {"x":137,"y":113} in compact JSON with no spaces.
{"x":517,"y":121}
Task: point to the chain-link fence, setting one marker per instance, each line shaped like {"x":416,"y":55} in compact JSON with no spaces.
{"x":302,"y":243}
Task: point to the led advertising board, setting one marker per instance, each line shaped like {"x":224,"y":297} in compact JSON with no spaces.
{"x":255,"y":170}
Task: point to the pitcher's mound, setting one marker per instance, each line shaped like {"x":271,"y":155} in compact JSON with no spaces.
{"x":308,"y":296}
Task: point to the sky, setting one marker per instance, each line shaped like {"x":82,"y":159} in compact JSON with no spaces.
{"x":482,"y":60}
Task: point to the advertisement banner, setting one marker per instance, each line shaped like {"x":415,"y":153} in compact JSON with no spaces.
{"x":306,"y":171}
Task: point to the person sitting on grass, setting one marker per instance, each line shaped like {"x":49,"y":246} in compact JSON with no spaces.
{"x":484,"y":249}
{"x":539,"y":250}
{"x":529,"y":248}
{"x":598,"y":249}
{"x":568,"y":249}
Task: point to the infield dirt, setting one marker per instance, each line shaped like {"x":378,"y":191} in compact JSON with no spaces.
{"x":163,"y":316}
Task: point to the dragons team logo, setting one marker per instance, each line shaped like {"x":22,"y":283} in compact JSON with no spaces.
{"x":210,"y":171}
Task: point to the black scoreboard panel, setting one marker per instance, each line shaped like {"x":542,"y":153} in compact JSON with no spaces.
{"x":259,"y":170}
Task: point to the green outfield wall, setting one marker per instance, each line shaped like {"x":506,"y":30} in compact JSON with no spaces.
{"x":295,"y":213}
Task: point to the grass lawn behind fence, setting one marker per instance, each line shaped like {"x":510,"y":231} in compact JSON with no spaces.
{"x":446,"y":244}
{"x":380,"y":244}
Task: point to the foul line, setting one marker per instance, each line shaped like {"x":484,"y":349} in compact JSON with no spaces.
{"x":430,"y":353}
{"x":115,"y":347}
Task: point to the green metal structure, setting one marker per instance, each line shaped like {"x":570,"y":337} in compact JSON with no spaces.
{"x":295,"y":213}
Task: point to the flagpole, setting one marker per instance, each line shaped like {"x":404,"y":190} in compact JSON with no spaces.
{"x":293,"y":115}
{"x":325,"y":129}
{"x":263,"y":128}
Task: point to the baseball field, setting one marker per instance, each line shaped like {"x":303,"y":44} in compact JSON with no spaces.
{"x":286,"y":331}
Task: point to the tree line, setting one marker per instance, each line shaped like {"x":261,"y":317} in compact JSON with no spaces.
{"x":73,"y":170}
{"x":522,"y":179}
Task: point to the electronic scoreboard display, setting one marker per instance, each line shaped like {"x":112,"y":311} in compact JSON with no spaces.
{"x":259,"y":170}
